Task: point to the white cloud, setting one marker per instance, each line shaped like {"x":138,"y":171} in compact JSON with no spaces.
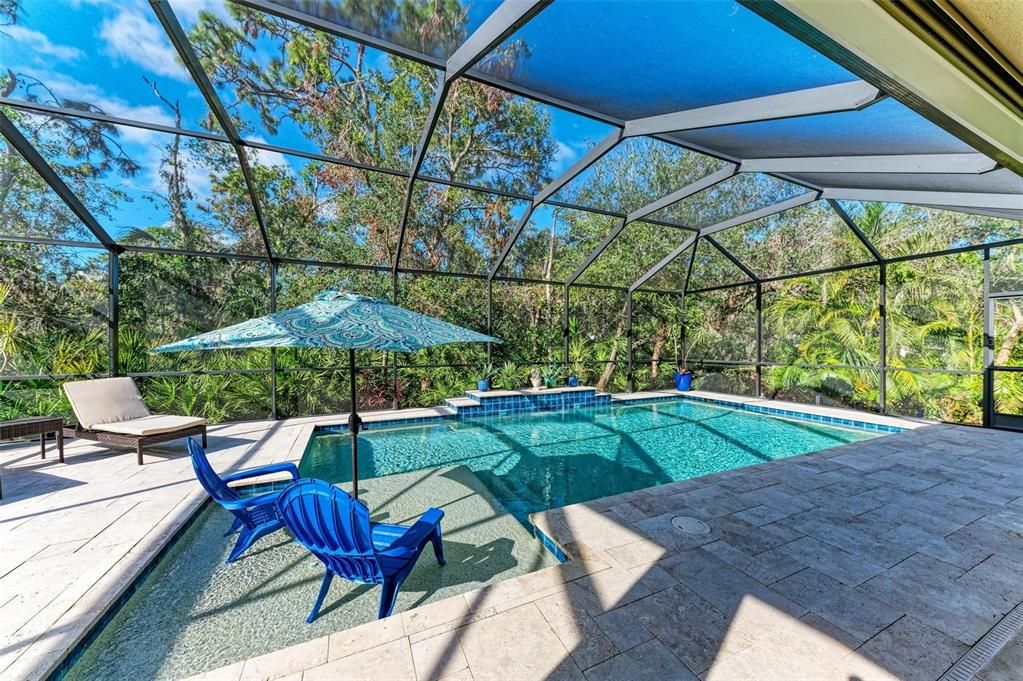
{"x":66,"y":87}
{"x":137,"y":135}
{"x":39,"y":44}
{"x":267,"y":159}
{"x":188,"y":10}
{"x":132,"y":36}
{"x":566,"y":154}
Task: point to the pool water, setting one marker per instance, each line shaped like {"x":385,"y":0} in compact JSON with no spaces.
{"x":541,"y":460}
{"x":195,"y":613}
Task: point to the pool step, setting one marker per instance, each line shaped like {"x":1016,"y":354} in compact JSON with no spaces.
{"x":502,"y":402}
{"x":516,"y":498}
{"x":457,"y":403}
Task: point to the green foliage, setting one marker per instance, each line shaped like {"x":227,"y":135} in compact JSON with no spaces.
{"x":550,"y":375}
{"x":485,"y":371}
{"x":277,"y":76}
{"x":509,"y":377}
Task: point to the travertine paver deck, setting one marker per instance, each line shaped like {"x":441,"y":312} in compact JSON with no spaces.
{"x":74,"y":535}
{"x":885,"y":559}
{"x":881,"y":559}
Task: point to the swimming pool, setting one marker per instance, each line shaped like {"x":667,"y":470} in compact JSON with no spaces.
{"x":195,"y":613}
{"x":535,"y":461}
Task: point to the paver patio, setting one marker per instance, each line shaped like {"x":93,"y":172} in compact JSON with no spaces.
{"x":883,"y":559}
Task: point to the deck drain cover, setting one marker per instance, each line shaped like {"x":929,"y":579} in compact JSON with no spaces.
{"x":690,"y":525}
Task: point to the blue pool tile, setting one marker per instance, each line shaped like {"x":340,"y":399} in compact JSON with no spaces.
{"x":520,"y":404}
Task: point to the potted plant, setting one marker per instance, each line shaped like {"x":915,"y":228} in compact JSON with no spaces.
{"x":577,"y":373}
{"x":483,"y":376}
{"x":535,"y":379}
{"x":683,"y":379}
{"x":550,"y":375}
{"x":508,"y":377}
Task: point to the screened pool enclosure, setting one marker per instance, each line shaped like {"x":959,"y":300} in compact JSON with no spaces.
{"x":613,"y":188}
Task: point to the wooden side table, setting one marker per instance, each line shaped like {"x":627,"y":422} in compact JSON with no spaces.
{"x":35,"y":425}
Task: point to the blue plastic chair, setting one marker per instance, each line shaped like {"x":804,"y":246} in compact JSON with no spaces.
{"x":337,"y":529}
{"x":254,"y":516}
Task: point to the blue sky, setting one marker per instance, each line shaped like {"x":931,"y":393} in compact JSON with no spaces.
{"x":104,"y":51}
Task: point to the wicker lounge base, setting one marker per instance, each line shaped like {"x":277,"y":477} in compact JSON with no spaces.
{"x":139,"y":442}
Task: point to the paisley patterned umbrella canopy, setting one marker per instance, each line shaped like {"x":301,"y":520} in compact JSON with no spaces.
{"x":336,"y":319}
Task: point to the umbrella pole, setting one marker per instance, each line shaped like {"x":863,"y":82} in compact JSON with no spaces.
{"x":353,"y":425}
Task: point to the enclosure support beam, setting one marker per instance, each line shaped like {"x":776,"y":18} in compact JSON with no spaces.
{"x":989,"y":212}
{"x":510,"y":16}
{"x":764,"y":212}
{"x":819,"y":100}
{"x":855,"y":229}
{"x":490,"y":319}
{"x":281,"y":10}
{"x":651,"y":208}
{"x":595,"y":253}
{"x":883,"y":337}
{"x":869,"y":39}
{"x":566,"y":339}
{"x":760,"y":340}
{"x":113,"y":311}
{"x":682,"y":334}
{"x":696,"y":187}
{"x":312,"y":156}
{"x":966,"y":200}
{"x":320,"y":24}
{"x":988,"y":407}
{"x":682,"y":315}
{"x":183,"y":47}
{"x":436,"y":106}
{"x":689,"y":267}
{"x":440,"y":95}
{"x":50,"y":176}
{"x":273,"y":351}
{"x":589,"y":158}
{"x":652,"y":272}
{"x":870,"y":263}
{"x":735,"y":261}
{"x":630,"y":379}
{"x":395,"y":401}
{"x":39,"y":107}
{"x":968,"y":164}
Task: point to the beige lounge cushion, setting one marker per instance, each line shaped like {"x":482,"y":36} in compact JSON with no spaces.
{"x":150,"y":425}
{"x":105,"y":400}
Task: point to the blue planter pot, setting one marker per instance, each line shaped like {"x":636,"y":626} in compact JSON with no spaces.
{"x":683,"y":381}
{"x":483,"y":386}
{"x":573,"y":381}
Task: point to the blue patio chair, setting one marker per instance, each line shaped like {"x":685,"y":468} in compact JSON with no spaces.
{"x":337,"y":529}
{"x":254,"y":516}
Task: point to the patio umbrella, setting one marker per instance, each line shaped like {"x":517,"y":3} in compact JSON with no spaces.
{"x":335,"y":319}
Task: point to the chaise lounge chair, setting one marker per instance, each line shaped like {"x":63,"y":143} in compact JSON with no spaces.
{"x":255,"y":516}
{"x":336,"y":528}
{"x":111,"y":411}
